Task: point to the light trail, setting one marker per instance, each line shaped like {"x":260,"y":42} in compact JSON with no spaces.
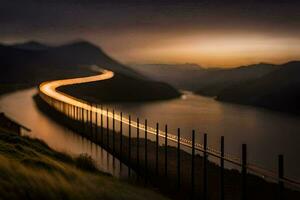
{"x":49,"y":89}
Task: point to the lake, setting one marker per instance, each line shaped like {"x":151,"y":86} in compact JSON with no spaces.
{"x":267,"y":133}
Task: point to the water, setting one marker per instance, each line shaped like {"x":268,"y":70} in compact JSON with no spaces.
{"x":21,"y":107}
{"x":266,"y":133}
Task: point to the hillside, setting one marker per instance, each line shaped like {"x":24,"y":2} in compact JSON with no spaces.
{"x":29,"y":169}
{"x":206,"y":81}
{"x":29,"y":64}
{"x":279,"y":90}
{"x":180,"y":76}
{"x":215,"y":81}
{"x":121,"y":88}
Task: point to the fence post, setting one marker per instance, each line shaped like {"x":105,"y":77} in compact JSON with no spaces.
{"x":244,"y":172}
{"x":178,"y":158}
{"x":91,"y":119}
{"x":138,"y":145}
{"x":121,"y":134}
{"x":222,"y":170}
{"x":166,"y":150}
{"x":82,"y":119}
{"x":157,"y":145}
{"x":146,"y":156}
{"x":129,"y":145}
{"x":193,"y":166}
{"x":113,"y":132}
{"x":280,"y":177}
{"x":101,"y":124}
{"x":87,"y":122}
{"x":205,"y":168}
{"x":96,"y":127}
{"x":107,"y":129}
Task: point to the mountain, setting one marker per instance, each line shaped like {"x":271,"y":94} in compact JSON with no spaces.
{"x":31,"y":45}
{"x":212,"y":82}
{"x":207,"y":81}
{"x":32,"y":63}
{"x":278,"y":90}
{"x":180,"y":76}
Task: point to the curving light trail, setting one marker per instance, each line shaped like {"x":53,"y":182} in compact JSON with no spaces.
{"x":49,"y":90}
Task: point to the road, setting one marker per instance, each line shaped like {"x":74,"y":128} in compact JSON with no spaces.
{"x":49,"y":89}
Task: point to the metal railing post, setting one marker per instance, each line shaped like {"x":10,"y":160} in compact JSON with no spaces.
{"x":107,"y":129}
{"x":222,"y":170}
{"x":166,"y":150}
{"x":193,"y":166}
{"x":129,"y":145}
{"x":157,"y":145}
{"x":96,"y":124}
{"x":244,"y":172}
{"x":91,"y":120}
{"x":205,"y":168}
{"x":280,"y":177}
{"x":178,"y":158}
{"x":101,"y":125}
{"x":121,"y":134}
{"x":113,"y":132}
{"x":146,"y":152}
{"x":138,"y":145}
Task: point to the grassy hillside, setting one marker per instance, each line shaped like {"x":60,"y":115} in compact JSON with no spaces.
{"x":29,"y":169}
{"x":279,"y":90}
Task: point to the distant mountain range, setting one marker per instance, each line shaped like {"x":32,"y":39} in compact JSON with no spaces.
{"x":32,"y":63}
{"x":278,"y":90}
{"x":272,"y":86}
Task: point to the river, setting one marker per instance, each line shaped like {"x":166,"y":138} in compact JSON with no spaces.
{"x":267,"y":133}
{"x":21,"y":107}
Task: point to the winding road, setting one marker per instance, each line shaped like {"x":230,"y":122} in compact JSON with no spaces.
{"x":48,"y":89}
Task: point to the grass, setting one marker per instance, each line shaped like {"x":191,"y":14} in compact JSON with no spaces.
{"x":29,"y":169}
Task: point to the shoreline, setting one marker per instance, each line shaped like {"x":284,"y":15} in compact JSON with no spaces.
{"x":257,"y":186}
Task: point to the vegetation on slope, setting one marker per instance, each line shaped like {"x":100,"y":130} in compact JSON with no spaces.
{"x":29,"y":169}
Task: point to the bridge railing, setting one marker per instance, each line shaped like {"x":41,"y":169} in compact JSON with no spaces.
{"x":97,"y":119}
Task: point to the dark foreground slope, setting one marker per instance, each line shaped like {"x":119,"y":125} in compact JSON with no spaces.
{"x":32,"y":63}
{"x":278,"y":90}
{"x":29,"y":169}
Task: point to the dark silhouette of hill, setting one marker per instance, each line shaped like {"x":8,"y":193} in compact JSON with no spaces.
{"x":208,"y":81}
{"x":180,"y":76}
{"x":31,"y":45}
{"x":121,"y":88}
{"x":20,"y":64}
{"x":278,"y":90}
{"x":32,"y":63}
{"x":213,"y":82}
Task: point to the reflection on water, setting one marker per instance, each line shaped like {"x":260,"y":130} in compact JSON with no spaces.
{"x":21,"y":107}
{"x":267,"y":133}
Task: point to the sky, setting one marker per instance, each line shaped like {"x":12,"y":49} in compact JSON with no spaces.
{"x":212,"y":33}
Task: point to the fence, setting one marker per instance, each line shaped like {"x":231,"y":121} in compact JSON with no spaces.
{"x":167,"y":163}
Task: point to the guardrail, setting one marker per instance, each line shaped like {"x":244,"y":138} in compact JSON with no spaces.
{"x":93,"y":116}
